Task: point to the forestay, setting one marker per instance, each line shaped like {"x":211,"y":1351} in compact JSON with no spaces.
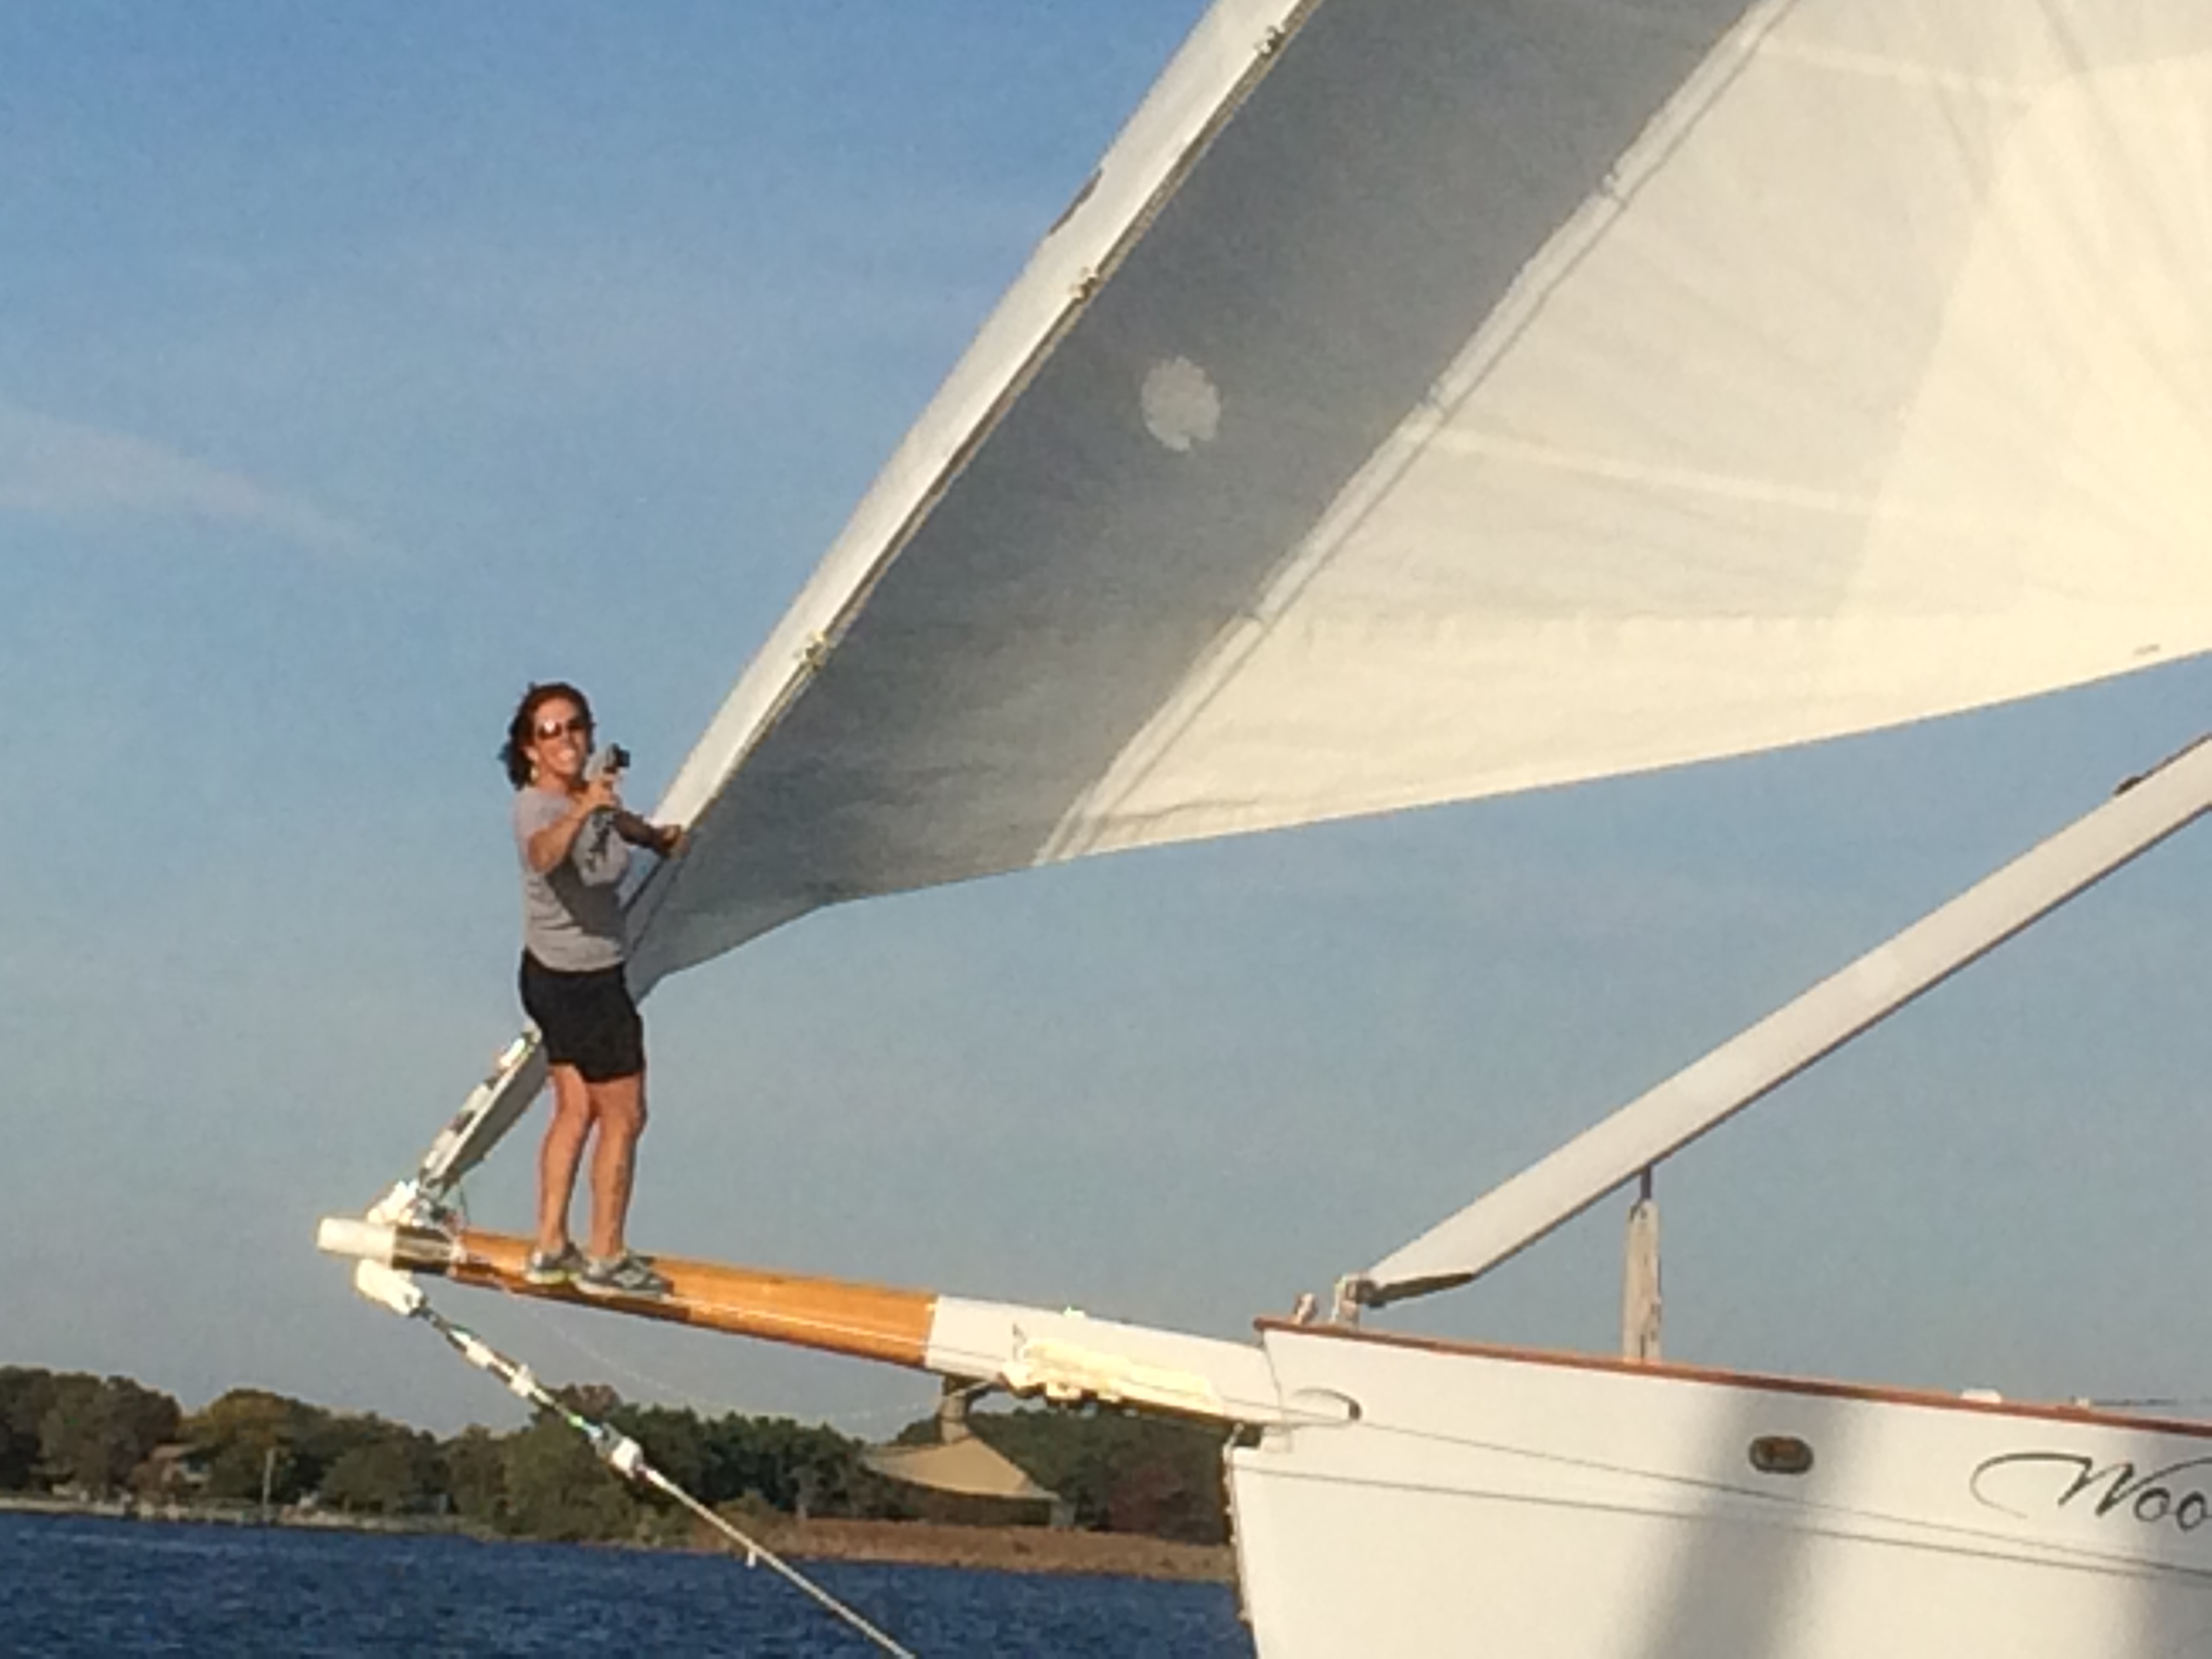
{"x":1434,"y":399}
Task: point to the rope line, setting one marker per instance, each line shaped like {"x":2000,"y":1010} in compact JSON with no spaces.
{"x":627,"y":1458}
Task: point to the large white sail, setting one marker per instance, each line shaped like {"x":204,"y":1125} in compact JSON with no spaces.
{"x":1440,"y":398}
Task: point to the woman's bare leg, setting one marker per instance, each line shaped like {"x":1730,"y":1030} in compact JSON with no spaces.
{"x":619,"y":1108}
{"x":558,"y":1158}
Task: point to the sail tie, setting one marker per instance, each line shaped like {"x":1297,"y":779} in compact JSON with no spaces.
{"x":627,"y":1458}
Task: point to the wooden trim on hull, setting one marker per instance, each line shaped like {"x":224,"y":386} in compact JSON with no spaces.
{"x":1681,"y":1373}
{"x":837,"y":1315}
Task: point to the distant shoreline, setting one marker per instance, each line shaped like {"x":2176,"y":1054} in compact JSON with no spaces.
{"x":910,"y":1543}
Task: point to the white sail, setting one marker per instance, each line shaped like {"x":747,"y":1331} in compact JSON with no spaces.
{"x":1452,"y":396}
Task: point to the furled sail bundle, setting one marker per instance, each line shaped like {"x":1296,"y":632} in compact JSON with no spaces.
{"x":1434,"y":399}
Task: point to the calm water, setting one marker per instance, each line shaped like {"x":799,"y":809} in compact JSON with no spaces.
{"x":84,"y":1587}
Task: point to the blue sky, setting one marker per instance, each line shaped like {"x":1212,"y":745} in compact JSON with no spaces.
{"x":360,"y":364}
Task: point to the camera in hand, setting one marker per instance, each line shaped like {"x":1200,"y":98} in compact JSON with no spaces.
{"x":609,"y":761}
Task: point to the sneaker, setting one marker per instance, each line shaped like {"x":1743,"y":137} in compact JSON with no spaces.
{"x":546,"y":1271}
{"x":627,"y":1274}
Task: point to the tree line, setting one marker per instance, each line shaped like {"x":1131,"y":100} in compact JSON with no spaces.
{"x":69,"y":1433}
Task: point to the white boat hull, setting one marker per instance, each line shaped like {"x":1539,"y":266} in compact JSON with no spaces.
{"x":1535,"y":1507}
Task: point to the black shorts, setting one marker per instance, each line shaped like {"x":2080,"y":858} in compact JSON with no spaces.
{"x":588,"y":1019}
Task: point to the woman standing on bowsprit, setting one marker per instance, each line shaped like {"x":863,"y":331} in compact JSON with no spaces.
{"x":573,"y":838}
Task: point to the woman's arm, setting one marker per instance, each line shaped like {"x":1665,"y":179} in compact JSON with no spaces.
{"x":661,"y":838}
{"x":549,"y":845}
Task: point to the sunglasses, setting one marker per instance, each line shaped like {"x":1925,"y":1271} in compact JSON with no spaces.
{"x":574,"y":726}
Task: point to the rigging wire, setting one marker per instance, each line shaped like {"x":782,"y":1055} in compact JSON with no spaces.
{"x":627,"y":1458}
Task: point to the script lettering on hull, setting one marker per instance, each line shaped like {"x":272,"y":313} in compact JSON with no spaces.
{"x":2025,"y":1483}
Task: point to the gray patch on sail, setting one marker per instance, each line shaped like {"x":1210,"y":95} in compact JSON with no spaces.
{"x":1182,"y":407}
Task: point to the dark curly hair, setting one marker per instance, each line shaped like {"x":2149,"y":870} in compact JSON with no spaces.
{"x":520,"y":730}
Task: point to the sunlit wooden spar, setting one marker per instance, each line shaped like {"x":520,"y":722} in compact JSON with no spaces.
{"x":865,"y":1322}
{"x":1430,"y":399}
{"x":1059,"y":1354}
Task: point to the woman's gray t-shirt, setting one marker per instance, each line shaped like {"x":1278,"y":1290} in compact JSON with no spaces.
{"x":572,"y":916}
